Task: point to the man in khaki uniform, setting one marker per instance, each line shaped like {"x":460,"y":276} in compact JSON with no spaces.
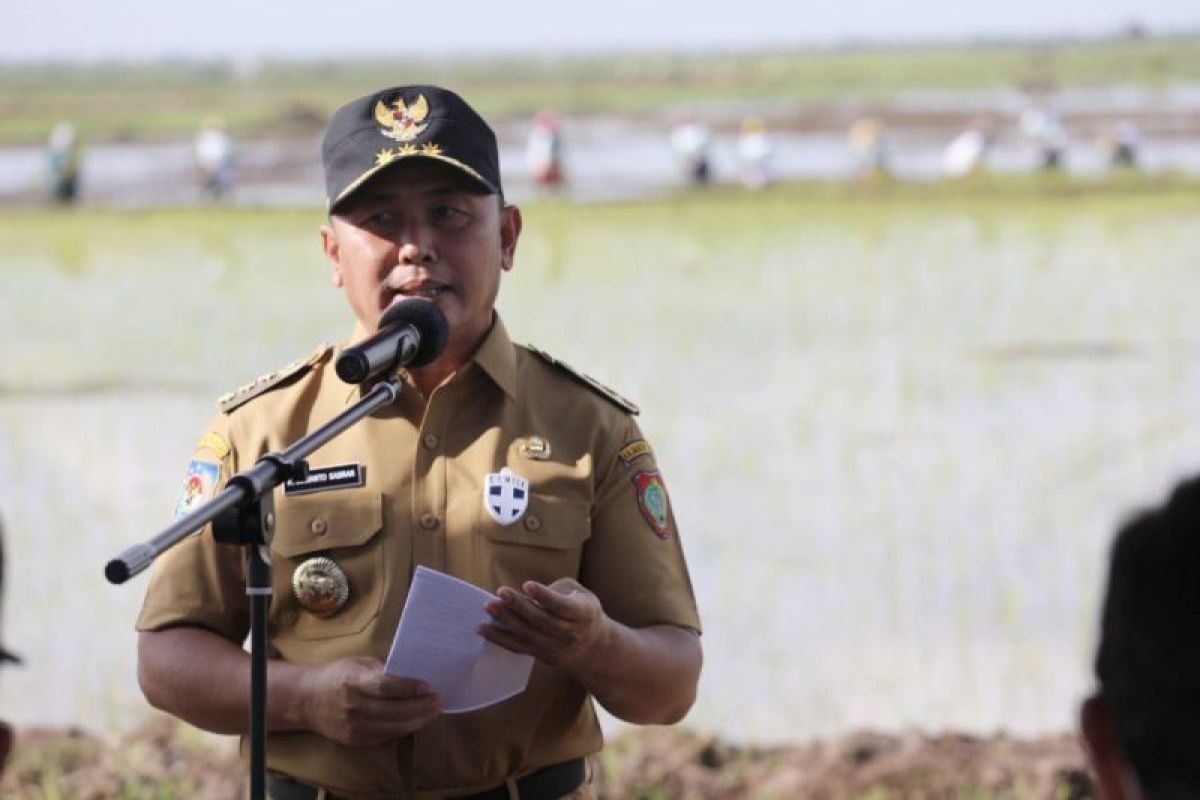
{"x":497,"y":464}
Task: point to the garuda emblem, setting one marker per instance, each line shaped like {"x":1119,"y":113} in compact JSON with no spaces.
{"x":402,"y":122}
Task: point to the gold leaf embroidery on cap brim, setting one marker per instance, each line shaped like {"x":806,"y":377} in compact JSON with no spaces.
{"x":436,"y":156}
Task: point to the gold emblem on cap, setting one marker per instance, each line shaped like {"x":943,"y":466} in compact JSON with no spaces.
{"x":403,"y":122}
{"x":320,"y":585}
{"x":536,"y":448}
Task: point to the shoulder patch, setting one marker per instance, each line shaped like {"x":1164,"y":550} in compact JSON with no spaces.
{"x":263,"y":383}
{"x":214,"y":442}
{"x":634,"y":450}
{"x":588,"y":381}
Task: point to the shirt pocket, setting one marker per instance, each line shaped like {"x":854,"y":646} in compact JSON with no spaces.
{"x":544,"y":544}
{"x":345,"y":529}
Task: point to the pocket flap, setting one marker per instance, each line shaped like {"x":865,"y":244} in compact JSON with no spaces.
{"x":551,"y":522}
{"x":324,"y":521}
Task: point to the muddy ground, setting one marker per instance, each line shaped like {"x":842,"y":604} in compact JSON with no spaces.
{"x":164,"y":759}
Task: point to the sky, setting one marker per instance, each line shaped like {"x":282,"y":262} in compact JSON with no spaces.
{"x":146,"y":29}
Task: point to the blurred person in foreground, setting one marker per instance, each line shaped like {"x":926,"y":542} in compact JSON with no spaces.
{"x":6,"y":657}
{"x":1140,"y":725}
{"x":587,"y":567}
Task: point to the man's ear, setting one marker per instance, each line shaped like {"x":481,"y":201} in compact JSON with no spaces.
{"x":510,"y":231}
{"x":1113,"y":773}
{"x":329,"y":244}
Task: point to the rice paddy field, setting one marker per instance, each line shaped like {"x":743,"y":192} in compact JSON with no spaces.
{"x":271,"y":97}
{"x":899,"y":424}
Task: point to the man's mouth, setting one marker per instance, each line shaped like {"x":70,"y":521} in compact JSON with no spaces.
{"x":428,"y":291}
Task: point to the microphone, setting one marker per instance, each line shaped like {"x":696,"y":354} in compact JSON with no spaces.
{"x":411,"y":333}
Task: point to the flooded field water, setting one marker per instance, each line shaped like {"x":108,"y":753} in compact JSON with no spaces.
{"x":621,"y":157}
{"x":897,"y":439}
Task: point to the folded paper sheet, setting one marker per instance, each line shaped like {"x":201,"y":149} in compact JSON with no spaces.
{"x":437,"y":642}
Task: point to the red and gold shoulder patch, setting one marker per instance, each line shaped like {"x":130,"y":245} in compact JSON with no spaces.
{"x":652,"y":501}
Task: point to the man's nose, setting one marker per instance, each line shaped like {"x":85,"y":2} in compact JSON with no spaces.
{"x":416,"y":247}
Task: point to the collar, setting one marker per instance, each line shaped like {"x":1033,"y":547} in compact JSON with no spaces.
{"x":496,"y":357}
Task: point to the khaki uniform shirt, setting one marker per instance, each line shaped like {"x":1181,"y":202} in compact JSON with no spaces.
{"x":592,"y":514}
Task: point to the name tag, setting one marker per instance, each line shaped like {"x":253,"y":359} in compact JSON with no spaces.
{"x":339,"y":476}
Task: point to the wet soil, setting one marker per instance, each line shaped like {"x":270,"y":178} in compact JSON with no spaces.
{"x":165,"y":759}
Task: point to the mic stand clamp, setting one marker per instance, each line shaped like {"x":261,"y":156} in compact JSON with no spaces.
{"x":245,"y":524}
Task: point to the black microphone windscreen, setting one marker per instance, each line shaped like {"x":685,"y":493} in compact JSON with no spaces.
{"x":429,"y":321}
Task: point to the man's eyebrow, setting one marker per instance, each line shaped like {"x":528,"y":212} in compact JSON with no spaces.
{"x":449,"y":188}
{"x":384,"y":195}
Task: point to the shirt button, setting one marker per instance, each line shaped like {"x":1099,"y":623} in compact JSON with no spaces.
{"x":430,"y":441}
{"x":318,"y":526}
{"x":429,"y":521}
{"x":532,"y":523}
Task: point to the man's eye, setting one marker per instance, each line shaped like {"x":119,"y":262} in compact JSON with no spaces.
{"x":380,"y":218}
{"x":446,"y":213}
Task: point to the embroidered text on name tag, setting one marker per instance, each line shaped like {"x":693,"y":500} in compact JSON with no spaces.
{"x":320,"y":479}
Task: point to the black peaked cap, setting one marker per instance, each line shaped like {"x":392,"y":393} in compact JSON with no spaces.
{"x":372,"y":133}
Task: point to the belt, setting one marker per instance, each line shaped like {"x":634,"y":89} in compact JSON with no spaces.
{"x":547,"y":783}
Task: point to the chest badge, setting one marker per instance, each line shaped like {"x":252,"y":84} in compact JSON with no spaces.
{"x":505,"y":496}
{"x":320,"y":585}
{"x":536,"y":448}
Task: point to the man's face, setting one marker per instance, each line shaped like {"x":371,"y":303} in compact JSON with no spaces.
{"x":423,"y":229}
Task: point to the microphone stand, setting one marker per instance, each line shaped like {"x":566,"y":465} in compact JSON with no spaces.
{"x":243,"y":513}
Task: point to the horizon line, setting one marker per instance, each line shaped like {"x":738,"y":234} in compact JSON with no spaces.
{"x":865,"y":43}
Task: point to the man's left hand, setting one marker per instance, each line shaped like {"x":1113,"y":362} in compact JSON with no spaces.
{"x":559,"y":624}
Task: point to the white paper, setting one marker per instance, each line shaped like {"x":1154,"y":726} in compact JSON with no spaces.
{"x":437,"y":642}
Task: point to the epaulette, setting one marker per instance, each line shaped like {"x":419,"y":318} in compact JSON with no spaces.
{"x":243,"y":394}
{"x":587,"y":380}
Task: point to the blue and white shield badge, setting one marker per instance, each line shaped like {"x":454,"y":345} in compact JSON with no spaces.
{"x":505,"y":496}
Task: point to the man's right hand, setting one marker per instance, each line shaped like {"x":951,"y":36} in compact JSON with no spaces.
{"x":354,"y":702}
{"x":204,"y":679}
